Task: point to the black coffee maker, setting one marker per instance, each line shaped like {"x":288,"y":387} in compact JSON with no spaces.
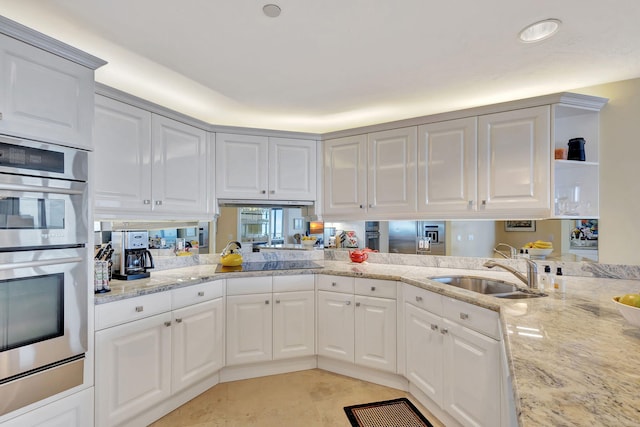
{"x":133,"y":258}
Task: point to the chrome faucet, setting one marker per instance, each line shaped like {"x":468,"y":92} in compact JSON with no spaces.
{"x":531,"y":279}
{"x":513,"y":252}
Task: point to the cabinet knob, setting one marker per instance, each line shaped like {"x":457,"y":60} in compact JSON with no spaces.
{"x":201,"y":293}
{"x":348,"y":303}
{"x":444,"y":331}
{"x":266,"y":302}
{"x":419,"y":299}
{"x":158,"y":202}
{"x":277,"y":301}
{"x":139,"y":309}
{"x":357,"y":304}
{"x":373,"y":288}
{"x":167,"y":324}
{"x":263,"y":192}
{"x":272,"y":191}
{"x":146,"y":201}
{"x":371,"y":205}
{"x":470,"y":204}
{"x":484,"y":203}
{"x":434,"y":327}
{"x":334,"y":284}
{"x":464,"y":316}
{"x":361,"y":206}
{"x":178,"y":320}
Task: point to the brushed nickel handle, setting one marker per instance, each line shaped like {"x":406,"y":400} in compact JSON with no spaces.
{"x":357,"y":304}
{"x":444,"y":331}
{"x":178,"y":320}
{"x":464,"y":316}
{"x":334,"y":284}
{"x":158,"y":202}
{"x":370,"y":205}
{"x":263,"y":192}
{"x":201,"y":294}
{"x":373,"y":288}
{"x":419,"y":299}
{"x":361,"y":206}
{"x":139,"y":309}
{"x":167,"y":324}
{"x":277,"y":301}
{"x":484,"y":203}
{"x":348,"y":303}
{"x":266,"y":302}
{"x":146,"y":201}
{"x":434,"y":327}
{"x":272,"y":191}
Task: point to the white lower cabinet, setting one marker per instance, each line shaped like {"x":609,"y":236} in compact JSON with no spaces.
{"x":72,"y":411}
{"x":357,"y":328}
{"x":453,"y":356}
{"x":270,"y":318}
{"x":141,"y":362}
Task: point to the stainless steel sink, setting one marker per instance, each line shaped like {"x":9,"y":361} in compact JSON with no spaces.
{"x":483,"y":285}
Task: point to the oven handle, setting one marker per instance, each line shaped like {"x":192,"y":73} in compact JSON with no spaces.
{"x":39,"y":189}
{"x":40,"y":263}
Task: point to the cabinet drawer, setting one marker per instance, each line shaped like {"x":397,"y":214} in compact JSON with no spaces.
{"x":473,"y":317}
{"x":375,"y":288}
{"x":249,"y":285}
{"x":118,"y":312}
{"x":336,"y":283}
{"x":422,"y":298}
{"x":195,"y":294}
{"x":298,"y":282}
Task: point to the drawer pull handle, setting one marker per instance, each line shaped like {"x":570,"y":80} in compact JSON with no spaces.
{"x":277,"y":301}
{"x":464,"y":316}
{"x":334,"y":284}
{"x":201,"y":294}
{"x":419,"y":299}
{"x":139,"y":309}
{"x":373,"y":288}
{"x":146,"y":201}
{"x":357,"y":304}
{"x":434,"y":327}
{"x":167,"y":324}
{"x":444,"y":331}
{"x":178,"y":320}
{"x":348,"y":303}
{"x":266,"y":302}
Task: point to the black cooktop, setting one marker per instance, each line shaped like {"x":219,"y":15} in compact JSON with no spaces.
{"x":269,"y":266}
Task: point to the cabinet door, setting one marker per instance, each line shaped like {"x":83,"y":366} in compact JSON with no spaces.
{"x":43,"y":96}
{"x":293,"y":324}
{"x":345,"y":175}
{"x":198,"y":346}
{"x":133,"y":368}
{"x":472,"y":372}
{"x":514,"y":161}
{"x":447,"y":166}
{"x":335,"y":325}
{"x":375,"y":332}
{"x":424,"y":351}
{"x":122,"y":140}
{"x":391,"y":183}
{"x":241,"y":166}
{"x":292,"y":169}
{"x":249,"y":328}
{"x":72,"y":411}
{"x":179,"y":167}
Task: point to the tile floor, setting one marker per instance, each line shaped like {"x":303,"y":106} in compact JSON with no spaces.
{"x":313,"y":398}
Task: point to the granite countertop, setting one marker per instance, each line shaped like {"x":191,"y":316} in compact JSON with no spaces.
{"x":573,"y":358}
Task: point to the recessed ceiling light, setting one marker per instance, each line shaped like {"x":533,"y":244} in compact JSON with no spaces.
{"x":540,"y":30}
{"x":271,"y":10}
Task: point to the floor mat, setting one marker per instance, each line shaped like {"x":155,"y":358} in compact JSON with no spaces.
{"x":389,"y":413}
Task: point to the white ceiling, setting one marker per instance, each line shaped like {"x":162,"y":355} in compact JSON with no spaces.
{"x":335,"y":64}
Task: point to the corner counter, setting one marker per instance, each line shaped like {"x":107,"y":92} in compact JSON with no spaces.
{"x":573,"y":358}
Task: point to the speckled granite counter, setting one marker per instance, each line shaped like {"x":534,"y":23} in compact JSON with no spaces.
{"x":574,"y":360}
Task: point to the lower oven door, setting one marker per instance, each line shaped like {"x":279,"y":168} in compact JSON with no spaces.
{"x":43,"y":318}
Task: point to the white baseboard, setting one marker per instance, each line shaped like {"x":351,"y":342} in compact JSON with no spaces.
{"x":352,"y":370}
{"x":263,"y":369}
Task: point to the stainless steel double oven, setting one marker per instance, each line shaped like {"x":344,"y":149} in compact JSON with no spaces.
{"x":43,"y":270}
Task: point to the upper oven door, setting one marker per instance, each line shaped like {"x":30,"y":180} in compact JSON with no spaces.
{"x":43,"y":308}
{"x":36,"y":212}
{"x":26,"y":157}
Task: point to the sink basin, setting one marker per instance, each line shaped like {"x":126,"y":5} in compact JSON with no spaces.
{"x":481,"y":285}
{"x":486,"y":286}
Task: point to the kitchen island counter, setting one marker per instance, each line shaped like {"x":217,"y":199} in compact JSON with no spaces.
{"x":573,"y":358}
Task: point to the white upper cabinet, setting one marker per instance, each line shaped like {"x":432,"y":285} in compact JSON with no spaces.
{"x":259,"y":168}
{"x":43,"y":96}
{"x":180,"y":161}
{"x":373,"y":174}
{"x":122,"y":139}
{"x":514,"y":160}
{"x":391,"y":183}
{"x":447,"y":166}
{"x":345,"y":175}
{"x":147,"y":164}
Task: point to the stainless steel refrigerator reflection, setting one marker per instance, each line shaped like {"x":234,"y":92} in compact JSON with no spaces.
{"x":403,"y":237}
